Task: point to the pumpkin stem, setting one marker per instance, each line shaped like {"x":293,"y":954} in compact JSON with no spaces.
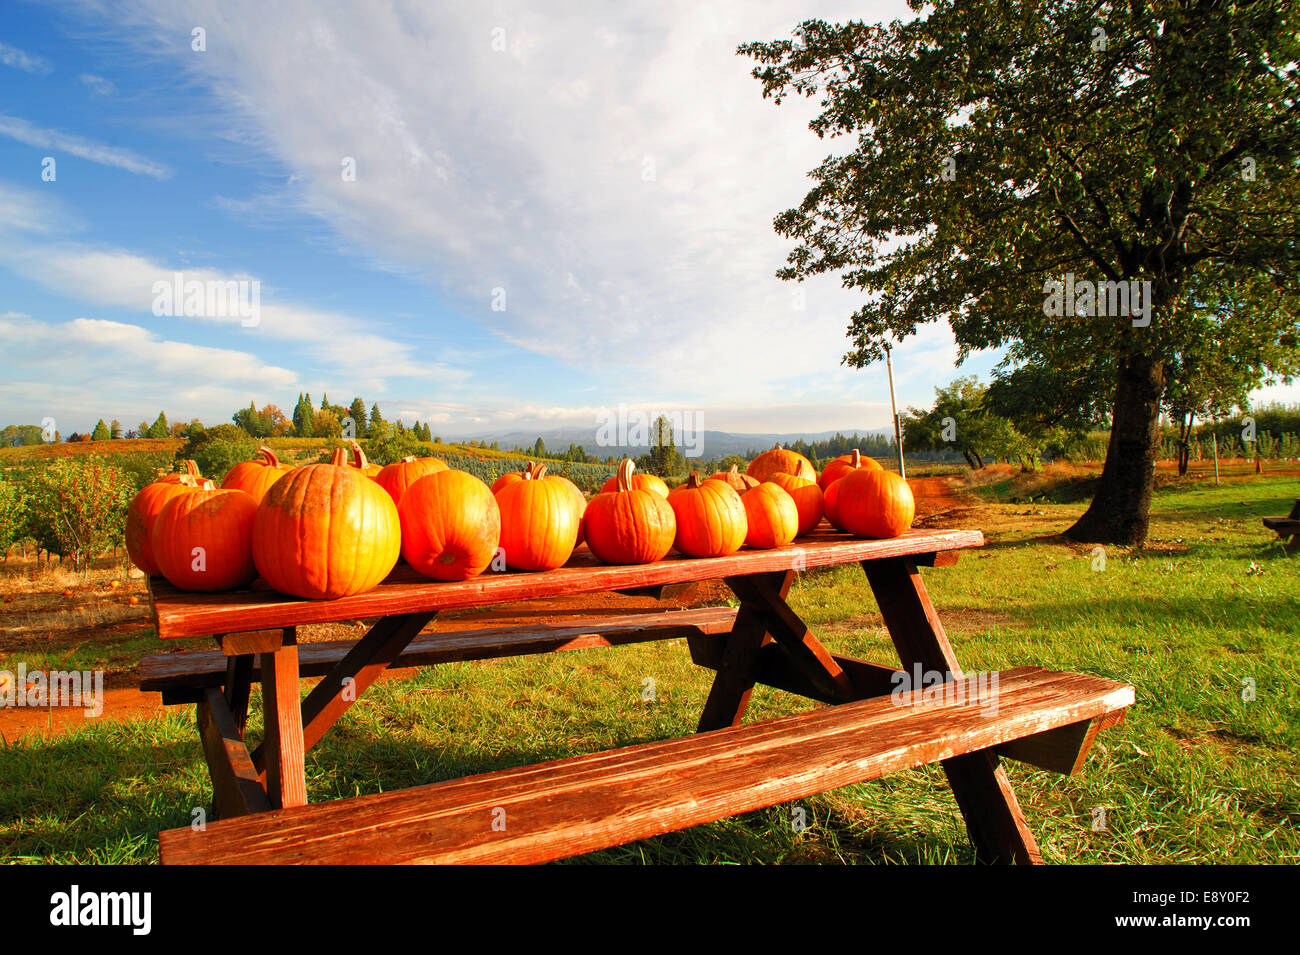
{"x":535,"y":472}
{"x":358,"y":455}
{"x":408,"y":459}
{"x":271,"y":461}
{"x":192,"y":468}
{"x":625,"y":474}
{"x":857,"y":459}
{"x":733,"y":470}
{"x":693,"y":481}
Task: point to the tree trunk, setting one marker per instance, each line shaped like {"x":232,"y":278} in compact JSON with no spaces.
{"x":1120,"y":510}
{"x":1185,"y":444}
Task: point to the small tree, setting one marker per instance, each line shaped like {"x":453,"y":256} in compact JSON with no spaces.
{"x":101,"y":432}
{"x":13,"y":515}
{"x":358,"y":412}
{"x":76,"y":507}
{"x":115,"y":430}
{"x":159,"y":429}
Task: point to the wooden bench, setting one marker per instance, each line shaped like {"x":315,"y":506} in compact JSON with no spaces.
{"x":571,"y":806}
{"x":1287,"y":528}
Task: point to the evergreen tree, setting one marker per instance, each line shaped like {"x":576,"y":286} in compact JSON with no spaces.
{"x":376,"y":418}
{"x":101,"y":432}
{"x":160,"y":429}
{"x":358,"y":413}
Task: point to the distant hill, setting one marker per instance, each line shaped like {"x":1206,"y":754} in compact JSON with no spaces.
{"x":712,"y":445}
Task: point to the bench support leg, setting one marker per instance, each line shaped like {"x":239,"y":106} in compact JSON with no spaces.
{"x":286,"y":774}
{"x":239,"y":679}
{"x":996,"y":825}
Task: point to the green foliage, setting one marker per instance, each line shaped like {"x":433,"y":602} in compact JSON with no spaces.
{"x":76,"y":507}
{"x":21,"y":435}
{"x":13,"y":514}
{"x":387,"y":444}
{"x":160,"y":428}
{"x":218,"y":449}
{"x":101,"y":432}
{"x":663,"y":458}
{"x":358,"y":413}
{"x":961,"y":420}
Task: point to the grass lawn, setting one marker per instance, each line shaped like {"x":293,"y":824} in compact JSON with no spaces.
{"x":1204,"y":621}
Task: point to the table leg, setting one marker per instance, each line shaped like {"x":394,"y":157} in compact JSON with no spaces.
{"x":239,"y":679}
{"x":286,"y":775}
{"x":996,"y":825}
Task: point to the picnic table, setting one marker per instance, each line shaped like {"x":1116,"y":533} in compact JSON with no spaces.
{"x":1287,"y":528}
{"x":566,"y":807}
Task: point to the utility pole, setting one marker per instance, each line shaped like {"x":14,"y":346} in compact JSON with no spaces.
{"x":898,"y":431}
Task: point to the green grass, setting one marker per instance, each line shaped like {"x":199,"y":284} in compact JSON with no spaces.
{"x":1196,"y":774}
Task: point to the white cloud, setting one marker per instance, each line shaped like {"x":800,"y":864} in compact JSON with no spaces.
{"x":23,"y":131}
{"x":98,"y":85}
{"x":79,"y":371}
{"x":526,"y":169}
{"x":20,"y":60}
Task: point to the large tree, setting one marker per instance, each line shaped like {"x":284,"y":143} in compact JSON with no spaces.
{"x":1011,"y":153}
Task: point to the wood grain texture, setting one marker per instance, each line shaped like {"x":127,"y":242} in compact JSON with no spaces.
{"x":285,"y":756}
{"x":577,"y":805}
{"x":179,"y":614}
{"x":1062,"y":750}
{"x":775,"y":669}
{"x":235,"y":787}
{"x":737,"y":669}
{"x":164,"y":672}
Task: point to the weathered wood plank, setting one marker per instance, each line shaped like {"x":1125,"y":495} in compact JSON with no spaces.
{"x":285,"y":755}
{"x":577,"y":805}
{"x":168,"y":672}
{"x":737,"y":670}
{"x":179,"y":614}
{"x":1062,"y":750}
{"x":235,"y":787}
{"x":251,"y":641}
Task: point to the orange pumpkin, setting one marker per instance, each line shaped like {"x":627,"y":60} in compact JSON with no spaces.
{"x":875,"y":503}
{"x":203,"y":540}
{"x":640,"y":482}
{"x":256,"y":477}
{"x":772,"y":517}
{"x":539,"y":520}
{"x":191,"y":469}
{"x":844,"y":465}
{"x":358,"y":460}
{"x":831,"y":499}
{"x":451,"y":525}
{"x":781,"y":460}
{"x":807,"y":497}
{"x":398,"y":476}
{"x":740,"y":483}
{"x":143,"y":511}
{"x":629,"y":525}
{"x":710,"y":518}
{"x":325,"y":531}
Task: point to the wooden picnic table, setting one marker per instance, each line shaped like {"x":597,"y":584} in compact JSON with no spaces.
{"x":576,"y":805}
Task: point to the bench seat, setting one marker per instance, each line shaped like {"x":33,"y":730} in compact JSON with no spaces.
{"x":584,"y":803}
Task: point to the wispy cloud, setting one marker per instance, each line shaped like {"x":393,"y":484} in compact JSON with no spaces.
{"x":23,"y":131}
{"x":21,"y":60}
{"x":98,"y":85}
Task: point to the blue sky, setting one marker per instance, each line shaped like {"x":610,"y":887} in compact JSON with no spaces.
{"x":610,"y":177}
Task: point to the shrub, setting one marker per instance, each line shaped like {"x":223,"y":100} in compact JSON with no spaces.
{"x":76,"y":507}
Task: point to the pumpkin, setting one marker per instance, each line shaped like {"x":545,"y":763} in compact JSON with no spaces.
{"x":358,"y":460}
{"x":771,"y":515}
{"x":781,"y":460}
{"x":540,"y":520}
{"x":325,"y":531}
{"x":256,"y":477}
{"x":875,"y":503}
{"x":710,"y":518}
{"x":807,"y":497}
{"x":844,"y":465}
{"x":398,"y":476}
{"x":191,"y":469}
{"x":640,"y":482}
{"x":143,"y":511}
{"x":740,"y":483}
{"x":451,"y":525}
{"x":203,"y":540}
{"x":831,"y":499}
{"x":629,"y":525}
